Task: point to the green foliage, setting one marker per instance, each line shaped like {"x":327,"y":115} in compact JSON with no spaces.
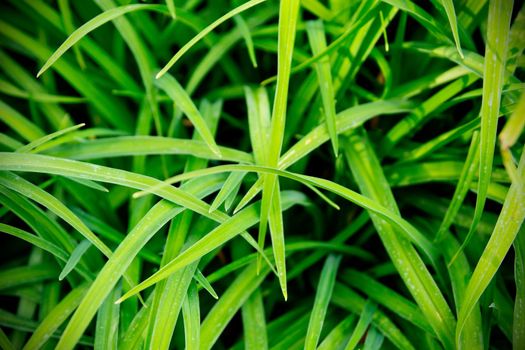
{"x":146,"y":150}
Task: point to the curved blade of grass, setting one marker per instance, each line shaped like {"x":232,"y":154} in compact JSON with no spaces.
{"x":183,"y":101}
{"x":411,"y":233}
{"x":215,"y":238}
{"x":247,"y":36}
{"x":254,"y":323}
{"x":322,"y":300}
{"x":35,"y":240}
{"x":36,"y":218}
{"x":67,"y":18}
{"x":451,"y":14}
{"x":38,"y":142}
{"x":145,"y":145}
{"x":26,"y":188}
{"x":316,"y":37}
{"x":421,"y":16}
{"x":66,"y":167}
{"x":58,"y":315}
{"x":204,"y":32}
{"x":74,"y":258}
{"x":505,"y":231}
{"x":230,"y":187}
{"x":90,"y":184}
{"x":495,"y":59}
{"x":192,"y":318}
{"x":346,"y":120}
{"x":93,"y":24}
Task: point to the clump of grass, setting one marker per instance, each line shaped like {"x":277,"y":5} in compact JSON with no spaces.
{"x":147,"y":149}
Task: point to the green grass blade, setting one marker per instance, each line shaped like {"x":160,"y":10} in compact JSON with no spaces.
{"x":366,"y":170}
{"x":145,"y":145}
{"x":472,"y":337}
{"x":383,"y":295}
{"x":322,"y":300}
{"x":364,"y":321}
{"x":204,"y":32}
{"x":316,"y":37}
{"x":93,"y":24}
{"x":277,"y":235}
{"x":171,"y":8}
{"x":26,"y":188}
{"x":67,"y":18}
{"x":245,"y":32}
{"x":184,"y":102}
{"x":38,"y":142}
{"x":254,"y":323}
{"x":35,"y":240}
{"x":74,"y":259}
{"x":374,"y":339}
{"x":410,"y":232}
{"x":259,"y":122}
{"x":230,"y":187}
{"x":494,"y":73}
{"x":505,"y":231}
{"x":452,"y":19}
{"x":192,"y":318}
{"x":339,"y":335}
{"x":5,"y":343}
{"x":467,"y":174}
{"x":106,"y":331}
{"x":204,"y":283}
{"x":270,"y":212}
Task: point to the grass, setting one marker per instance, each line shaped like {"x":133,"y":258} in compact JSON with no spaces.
{"x":147,"y":148}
